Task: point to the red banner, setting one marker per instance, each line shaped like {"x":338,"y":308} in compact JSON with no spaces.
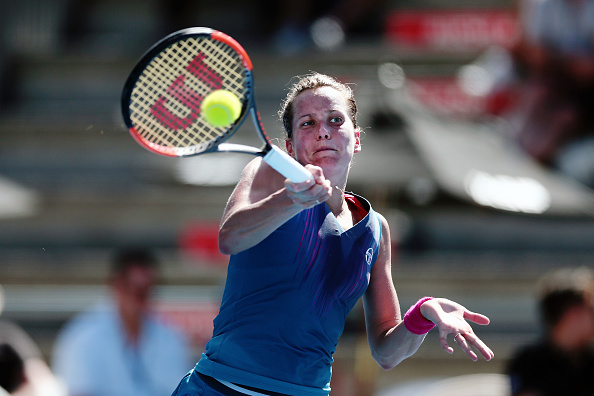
{"x":200,"y":242}
{"x":452,"y":29}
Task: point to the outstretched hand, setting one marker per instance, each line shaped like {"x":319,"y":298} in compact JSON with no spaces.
{"x":451,"y":318}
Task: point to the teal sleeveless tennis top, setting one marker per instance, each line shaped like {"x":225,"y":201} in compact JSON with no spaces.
{"x":286,"y":301}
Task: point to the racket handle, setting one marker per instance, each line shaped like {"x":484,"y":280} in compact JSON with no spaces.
{"x":286,"y":165}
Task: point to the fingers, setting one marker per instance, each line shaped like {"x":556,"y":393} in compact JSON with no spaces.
{"x":462,"y":341}
{"x":464,"y":345}
{"x":443,"y":340}
{"x":468,"y":342}
{"x":319,"y":179}
{"x":317,"y":173}
{"x":479,"y":345}
{"x":310,"y":193}
{"x":452,"y":321}
{"x":476,"y":318}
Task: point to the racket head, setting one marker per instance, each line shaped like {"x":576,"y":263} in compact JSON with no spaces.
{"x":162,"y":96}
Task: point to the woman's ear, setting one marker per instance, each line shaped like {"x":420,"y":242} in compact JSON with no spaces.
{"x":357,"y":141}
{"x":289,"y":146}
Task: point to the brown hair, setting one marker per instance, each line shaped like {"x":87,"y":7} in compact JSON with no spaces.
{"x":563,"y":289}
{"x":313,"y":81}
{"x":126,"y":258}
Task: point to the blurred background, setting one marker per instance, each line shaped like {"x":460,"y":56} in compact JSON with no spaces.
{"x":475,"y":218}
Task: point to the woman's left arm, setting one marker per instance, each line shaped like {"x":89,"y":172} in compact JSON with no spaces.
{"x":389,"y":339}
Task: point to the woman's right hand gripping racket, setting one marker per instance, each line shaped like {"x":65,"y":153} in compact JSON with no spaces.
{"x":163,"y":95}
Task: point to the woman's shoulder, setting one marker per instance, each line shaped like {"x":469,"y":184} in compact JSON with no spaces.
{"x":259,"y":173}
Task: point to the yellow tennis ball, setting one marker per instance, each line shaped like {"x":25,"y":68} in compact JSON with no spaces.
{"x":221,"y":108}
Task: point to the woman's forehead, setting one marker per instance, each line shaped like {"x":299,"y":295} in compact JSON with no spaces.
{"x":322,"y":96}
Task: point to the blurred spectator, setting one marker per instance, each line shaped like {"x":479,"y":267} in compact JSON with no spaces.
{"x":12,"y":368}
{"x":76,"y":20}
{"x":120,"y":348}
{"x":9,"y":76}
{"x":23,"y":372}
{"x":178,"y":14}
{"x":549,"y":102}
{"x":562,"y":363}
{"x":303,"y":24}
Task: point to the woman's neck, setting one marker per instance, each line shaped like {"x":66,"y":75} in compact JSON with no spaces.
{"x":336,"y":201}
{"x":346,"y":216}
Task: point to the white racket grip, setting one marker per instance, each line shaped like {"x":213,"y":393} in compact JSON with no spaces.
{"x":286,"y":165}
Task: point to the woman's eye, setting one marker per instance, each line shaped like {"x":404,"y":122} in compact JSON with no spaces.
{"x":336,"y":120}
{"x":307,"y":123}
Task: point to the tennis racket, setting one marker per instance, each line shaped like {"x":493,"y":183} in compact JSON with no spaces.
{"x":163,"y":93}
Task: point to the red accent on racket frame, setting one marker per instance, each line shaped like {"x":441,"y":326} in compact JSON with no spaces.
{"x":155,"y":148}
{"x":230,"y":41}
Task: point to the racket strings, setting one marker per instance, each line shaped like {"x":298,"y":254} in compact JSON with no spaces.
{"x":165,"y":101}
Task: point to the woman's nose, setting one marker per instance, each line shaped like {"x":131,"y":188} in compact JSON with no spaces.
{"x":323,"y":132}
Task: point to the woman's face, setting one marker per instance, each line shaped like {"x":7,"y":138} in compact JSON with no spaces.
{"x":323,"y":133}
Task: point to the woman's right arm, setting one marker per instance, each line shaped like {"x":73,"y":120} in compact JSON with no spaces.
{"x":262,"y":201}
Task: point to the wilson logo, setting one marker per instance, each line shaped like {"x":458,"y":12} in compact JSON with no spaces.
{"x":185,"y":95}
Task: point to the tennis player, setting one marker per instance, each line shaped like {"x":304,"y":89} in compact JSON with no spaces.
{"x":301,"y":256}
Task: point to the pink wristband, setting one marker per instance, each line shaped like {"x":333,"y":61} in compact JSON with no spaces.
{"x":415,"y":322}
